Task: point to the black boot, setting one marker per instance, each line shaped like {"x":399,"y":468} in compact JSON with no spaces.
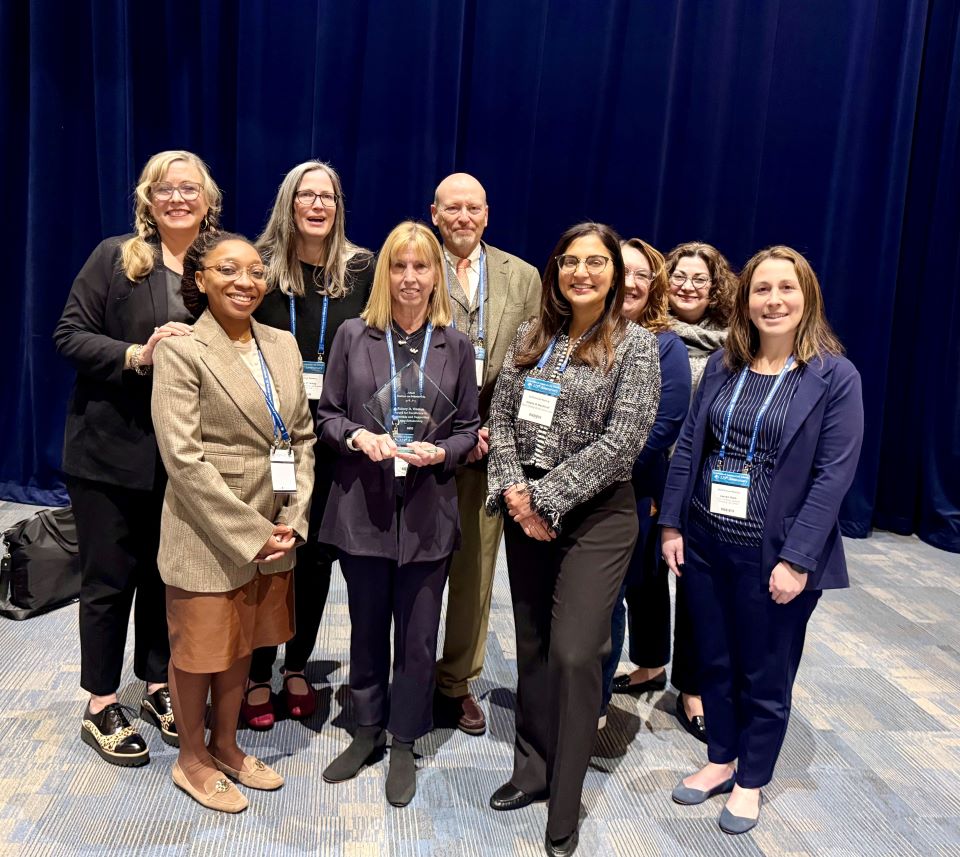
{"x":402,"y":774}
{"x":366,"y":747}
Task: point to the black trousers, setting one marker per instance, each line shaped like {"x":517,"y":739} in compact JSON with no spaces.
{"x":410,"y":595}
{"x":563,"y":594}
{"x":118,"y":536}
{"x":648,"y":621}
{"x":750,"y":649}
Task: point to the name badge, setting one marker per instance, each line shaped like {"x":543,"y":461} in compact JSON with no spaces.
{"x":282,"y":471}
{"x":400,"y":467}
{"x":728,"y":493}
{"x":539,"y":401}
{"x":479,"y":359}
{"x":313,"y":371}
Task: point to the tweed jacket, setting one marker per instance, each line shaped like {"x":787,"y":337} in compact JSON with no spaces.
{"x":215,"y":434}
{"x":109,"y":435}
{"x":600,"y":425}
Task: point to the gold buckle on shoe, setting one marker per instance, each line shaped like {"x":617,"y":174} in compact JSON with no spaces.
{"x":222,"y":785}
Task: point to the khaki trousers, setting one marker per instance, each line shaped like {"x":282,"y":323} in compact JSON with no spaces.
{"x":471,"y":586}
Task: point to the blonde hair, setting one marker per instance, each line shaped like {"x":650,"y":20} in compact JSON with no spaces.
{"x":410,"y":233}
{"x":656,"y":314}
{"x":278,"y":242}
{"x":813,"y":338}
{"x":138,"y":254}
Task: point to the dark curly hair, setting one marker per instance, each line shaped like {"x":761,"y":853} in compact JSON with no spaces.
{"x":723,"y":280}
{"x":193,"y":299}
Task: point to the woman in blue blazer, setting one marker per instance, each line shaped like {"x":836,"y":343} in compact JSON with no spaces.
{"x":749,"y":517}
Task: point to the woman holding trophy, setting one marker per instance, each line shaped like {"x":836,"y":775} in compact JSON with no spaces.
{"x":400,"y":405}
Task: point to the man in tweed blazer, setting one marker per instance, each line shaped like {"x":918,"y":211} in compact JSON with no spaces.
{"x":511,"y":295}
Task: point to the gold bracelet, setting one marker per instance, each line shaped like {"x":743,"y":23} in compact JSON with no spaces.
{"x":135,"y":363}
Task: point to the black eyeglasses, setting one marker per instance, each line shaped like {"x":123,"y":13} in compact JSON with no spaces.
{"x":594,"y":264}
{"x":188,"y":191}
{"x":231,"y":272}
{"x":308,"y":197}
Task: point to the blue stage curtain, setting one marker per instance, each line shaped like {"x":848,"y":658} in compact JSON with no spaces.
{"x":830,"y":126}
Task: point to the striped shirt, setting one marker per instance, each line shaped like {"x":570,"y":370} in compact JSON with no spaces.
{"x":745,"y":531}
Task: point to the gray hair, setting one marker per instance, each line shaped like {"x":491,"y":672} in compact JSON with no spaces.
{"x":278,"y":242}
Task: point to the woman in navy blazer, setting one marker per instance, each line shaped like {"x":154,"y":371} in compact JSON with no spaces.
{"x":393,"y":515}
{"x":754,"y":559}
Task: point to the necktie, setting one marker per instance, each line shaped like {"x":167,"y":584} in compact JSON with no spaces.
{"x":463,"y":265}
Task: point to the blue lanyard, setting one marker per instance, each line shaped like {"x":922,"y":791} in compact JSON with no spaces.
{"x":323,"y":324}
{"x":562,"y":365}
{"x":728,"y":416}
{"x":394,"y":407}
{"x":481,"y":295}
{"x":279,"y":429}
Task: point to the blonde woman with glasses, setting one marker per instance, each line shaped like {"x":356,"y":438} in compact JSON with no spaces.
{"x":124,"y":301}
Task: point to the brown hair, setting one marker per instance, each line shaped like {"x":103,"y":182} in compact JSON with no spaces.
{"x":656,"y":314}
{"x":598,"y":347}
{"x":723,"y":281}
{"x":193,"y":299}
{"x":814,"y":336}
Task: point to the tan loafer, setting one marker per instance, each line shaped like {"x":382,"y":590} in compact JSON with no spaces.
{"x":255,"y":774}
{"x":217,"y":793}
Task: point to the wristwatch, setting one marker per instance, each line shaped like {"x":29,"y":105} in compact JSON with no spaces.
{"x":350,"y":437}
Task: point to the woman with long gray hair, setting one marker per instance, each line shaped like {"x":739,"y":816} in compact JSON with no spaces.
{"x":318,"y":279}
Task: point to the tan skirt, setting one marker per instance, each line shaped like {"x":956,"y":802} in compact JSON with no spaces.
{"x":210,"y":631}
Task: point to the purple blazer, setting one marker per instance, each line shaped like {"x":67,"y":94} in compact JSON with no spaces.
{"x":815,"y":465}
{"x":361,"y":515}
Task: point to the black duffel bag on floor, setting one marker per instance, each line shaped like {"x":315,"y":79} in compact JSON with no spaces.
{"x":40,"y":570}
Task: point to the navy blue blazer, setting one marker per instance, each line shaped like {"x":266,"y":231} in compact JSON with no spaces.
{"x":361,"y":514}
{"x":815,"y":465}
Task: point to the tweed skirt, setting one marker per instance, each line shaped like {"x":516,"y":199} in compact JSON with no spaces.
{"x":210,"y":631}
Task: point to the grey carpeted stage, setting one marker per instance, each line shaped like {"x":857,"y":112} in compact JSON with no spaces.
{"x":871,"y":764}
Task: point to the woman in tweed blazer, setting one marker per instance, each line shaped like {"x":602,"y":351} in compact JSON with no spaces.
{"x":227,"y":400}
{"x":572,"y":524}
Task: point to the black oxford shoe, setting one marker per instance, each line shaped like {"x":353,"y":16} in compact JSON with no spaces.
{"x":509,"y":797}
{"x":115,"y":740}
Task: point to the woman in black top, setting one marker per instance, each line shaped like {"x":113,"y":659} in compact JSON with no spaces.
{"x":123,"y":302}
{"x":572,"y":409}
{"x":316,"y":275}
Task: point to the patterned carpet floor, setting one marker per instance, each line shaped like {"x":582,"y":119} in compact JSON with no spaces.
{"x":871,"y":763}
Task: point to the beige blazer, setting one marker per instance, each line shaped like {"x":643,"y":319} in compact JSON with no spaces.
{"x":215,"y":434}
{"x":515,"y":293}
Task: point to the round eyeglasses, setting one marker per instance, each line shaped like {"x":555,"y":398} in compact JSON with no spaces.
{"x":699,"y":282}
{"x":570,"y":264}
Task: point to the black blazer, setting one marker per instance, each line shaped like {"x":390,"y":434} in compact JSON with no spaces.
{"x":109,"y":431}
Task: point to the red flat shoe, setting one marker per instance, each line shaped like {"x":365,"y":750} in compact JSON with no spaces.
{"x":300,"y":706}
{"x":258,"y":717}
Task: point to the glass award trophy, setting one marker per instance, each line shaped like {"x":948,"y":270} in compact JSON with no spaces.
{"x":410,"y":407}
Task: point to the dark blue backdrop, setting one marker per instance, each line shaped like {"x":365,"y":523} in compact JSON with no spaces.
{"x":830,"y":125}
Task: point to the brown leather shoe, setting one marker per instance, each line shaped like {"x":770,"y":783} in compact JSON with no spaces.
{"x":472,"y":719}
